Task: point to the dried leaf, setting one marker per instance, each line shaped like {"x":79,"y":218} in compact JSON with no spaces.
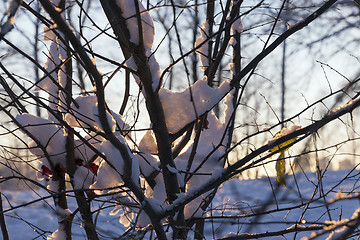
{"x":283,"y":146}
{"x":280,"y":168}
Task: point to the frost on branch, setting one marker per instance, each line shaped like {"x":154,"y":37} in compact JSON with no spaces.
{"x":182,"y":108}
{"x":341,"y":227}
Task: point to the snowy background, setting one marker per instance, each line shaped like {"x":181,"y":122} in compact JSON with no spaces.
{"x":240,"y":199}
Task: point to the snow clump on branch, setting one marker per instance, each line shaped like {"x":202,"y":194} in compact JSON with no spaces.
{"x":128,"y":12}
{"x":182,"y":108}
{"x":49,"y":135}
{"x":209,"y":157}
{"x":203,"y":50}
{"x":284,"y":132}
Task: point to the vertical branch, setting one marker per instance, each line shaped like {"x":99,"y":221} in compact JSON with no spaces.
{"x":3,"y":227}
{"x":126,"y":93}
{"x":163,"y":20}
{"x":171,"y":77}
{"x":194,"y":59}
{"x":237,"y":69}
{"x":217,"y":84}
{"x":179,"y":44}
{"x":210,"y":21}
{"x":225,"y":12}
{"x":283,"y":70}
{"x":153,"y":103}
{"x":36,"y":55}
{"x":283,"y":87}
{"x":61,"y":201}
{"x":65,"y":221}
{"x":230,"y":129}
{"x":225,"y":42}
{"x":71,"y":167}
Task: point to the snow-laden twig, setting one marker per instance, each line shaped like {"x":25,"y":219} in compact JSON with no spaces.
{"x":293,"y":228}
{"x":91,"y":68}
{"x":232,"y":170}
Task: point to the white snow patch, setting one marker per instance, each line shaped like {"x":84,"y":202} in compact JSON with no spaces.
{"x":130,"y":63}
{"x":107,"y":178}
{"x":112,"y":155}
{"x":142,"y":220}
{"x":82,"y":151}
{"x":47,"y":84}
{"x":86,"y":116}
{"x":61,"y":50}
{"x":179,"y":108}
{"x":155,"y":69}
{"x":83,"y":178}
{"x":148,"y":143}
{"x":284,"y":132}
{"x":82,"y":116}
{"x":232,"y":68}
{"x":148,"y":164}
{"x":159,"y":192}
{"x":53,"y":185}
{"x":203,"y":51}
{"x":345,"y":107}
{"x":135,"y":169}
{"x":121,"y":125}
{"x":128,"y":12}
{"x":237,"y":26}
{"x":49,"y":135}
{"x":109,"y":118}
{"x":62,"y":213}
{"x":338,"y":234}
{"x":208,"y":162}
{"x":59,"y":234}
{"x":172,"y":169}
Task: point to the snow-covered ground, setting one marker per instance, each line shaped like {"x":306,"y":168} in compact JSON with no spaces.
{"x":237,"y":197}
